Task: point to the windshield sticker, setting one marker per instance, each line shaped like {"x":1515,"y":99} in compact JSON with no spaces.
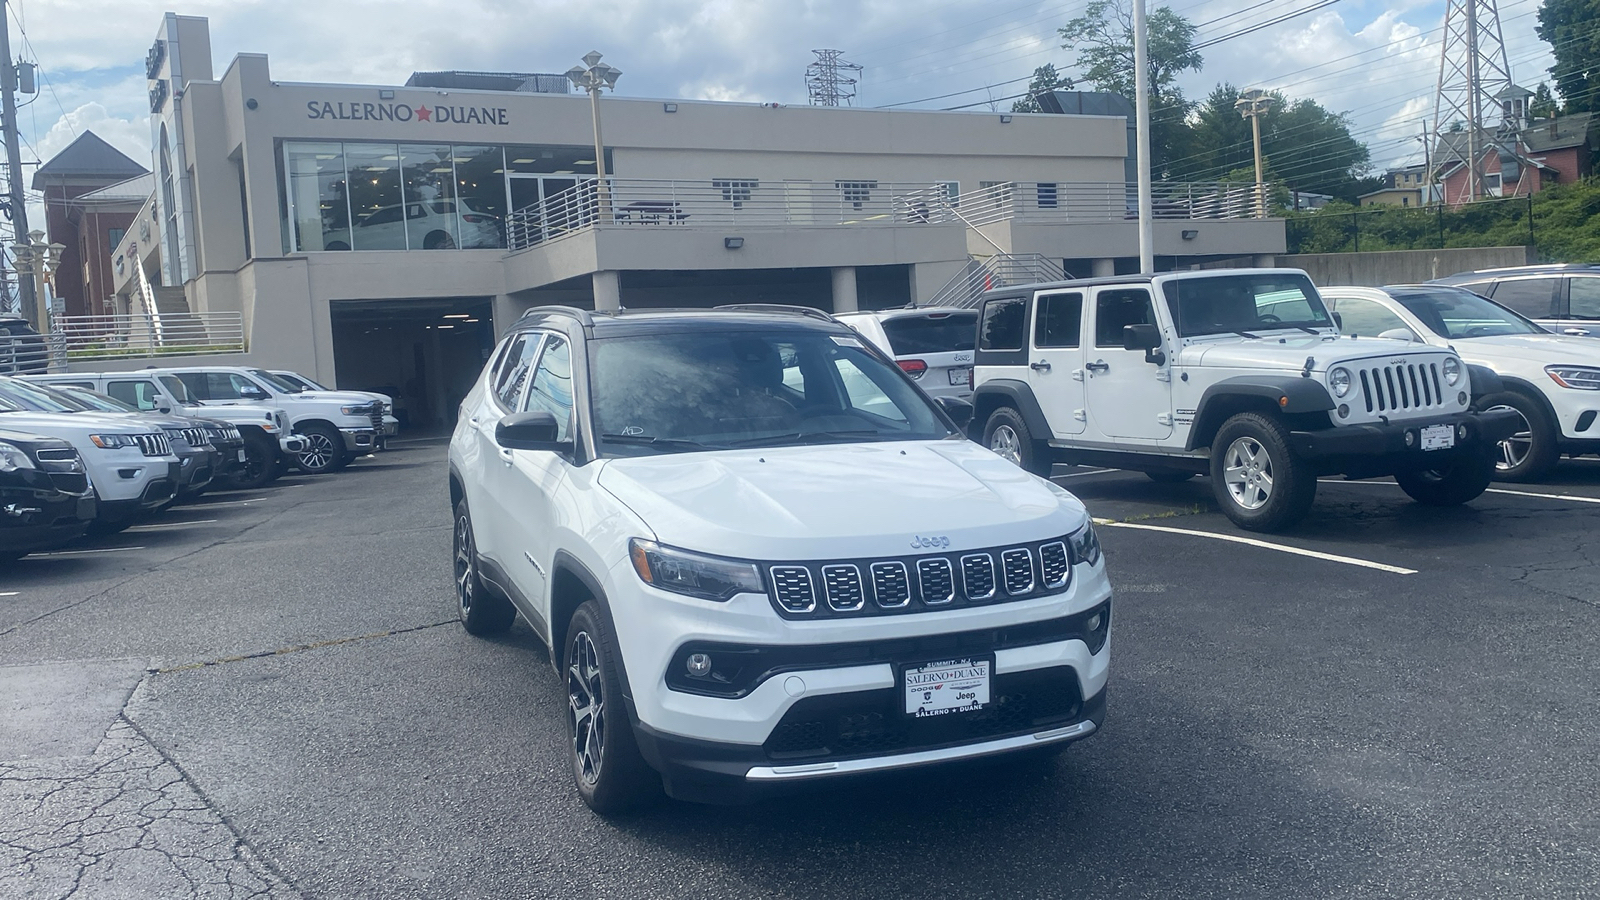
{"x":846,"y":341}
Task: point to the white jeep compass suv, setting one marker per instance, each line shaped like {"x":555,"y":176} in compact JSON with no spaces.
{"x":761,"y":557}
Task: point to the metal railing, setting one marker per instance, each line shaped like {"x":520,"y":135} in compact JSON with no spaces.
{"x":1000,"y":270}
{"x":85,"y":338}
{"x":1057,"y":202}
{"x":726,"y":203}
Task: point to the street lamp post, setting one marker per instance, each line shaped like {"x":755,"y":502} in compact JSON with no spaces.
{"x":597,"y":75}
{"x":1252,"y":105}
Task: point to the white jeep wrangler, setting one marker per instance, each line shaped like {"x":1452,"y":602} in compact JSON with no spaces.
{"x":1236,"y":373}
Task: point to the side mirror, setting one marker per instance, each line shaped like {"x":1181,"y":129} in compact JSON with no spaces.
{"x":164,"y":409}
{"x":1146,"y":338}
{"x":1338,"y":320}
{"x":252,"y":393}
{"x":960,"y":411}
{"x":1399,"y":334}
{"x":530,"y":431}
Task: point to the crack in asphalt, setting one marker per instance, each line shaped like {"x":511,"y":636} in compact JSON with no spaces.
{"x":300,"y":648}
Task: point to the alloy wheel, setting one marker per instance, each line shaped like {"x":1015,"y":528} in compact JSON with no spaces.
{"x":1247,"y":471}
{"x":1005,"y":443}
{"x":466,"y":564}
{"x":586,"y":701}
{"x":1514,"y":450}
{"x":319,"y":453}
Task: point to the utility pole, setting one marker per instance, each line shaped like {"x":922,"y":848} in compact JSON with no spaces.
{"x":1252,"y":105}
{"x":1427,"y":166}
{"x":1474,"y":107}
{"x":16,"y":200}
{"x":1141,"y":90}
{"x":1473,"y":71}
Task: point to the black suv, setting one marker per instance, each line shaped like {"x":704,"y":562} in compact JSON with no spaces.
{"x":45,"y":499}
{"x":22,"y":350}
{"x":1564,"y":299}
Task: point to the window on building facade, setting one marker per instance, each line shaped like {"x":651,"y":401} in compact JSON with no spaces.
{"x":952,"y":192}
{"x":1047,"y":195}
{"x":856,"y":193}
{"x":319,"y":211}
{"x":376,"y":214}
{"x":735,"y":190}
{"x":115,"y":235}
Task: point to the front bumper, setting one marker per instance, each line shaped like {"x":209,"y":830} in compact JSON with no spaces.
{"x":40,"y":517}
{"x":360,"y":440}
{"x":1400,"y":442}
{"x":292,"y":443}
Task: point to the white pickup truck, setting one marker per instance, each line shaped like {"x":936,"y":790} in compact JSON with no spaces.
{"x":337,"y":426}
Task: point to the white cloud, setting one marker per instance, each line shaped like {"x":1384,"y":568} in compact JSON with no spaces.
{"x":131,"y":136}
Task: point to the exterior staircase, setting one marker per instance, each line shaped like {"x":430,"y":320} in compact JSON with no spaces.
{"x":1001,"y":270}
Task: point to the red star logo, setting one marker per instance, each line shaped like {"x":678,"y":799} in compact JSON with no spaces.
{"x":423,"y":114}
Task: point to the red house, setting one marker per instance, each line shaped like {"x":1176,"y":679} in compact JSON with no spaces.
{"x":92,"y":191}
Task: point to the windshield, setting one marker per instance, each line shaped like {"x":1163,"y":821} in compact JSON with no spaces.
{"x":39,"y":398}
{"x":932,"y":333}
{"x":1453,"y":313}
{"x":96,"y":400}
{"x":277,"y":381}
{"x":1231,"y":304}
{"x":177,"y":389}
{"x":705,"y":390}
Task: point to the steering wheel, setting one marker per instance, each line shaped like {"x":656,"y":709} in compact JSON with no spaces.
{"x":1269,"y":319}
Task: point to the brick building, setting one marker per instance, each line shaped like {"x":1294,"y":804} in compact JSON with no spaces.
{"x":92,"y":192}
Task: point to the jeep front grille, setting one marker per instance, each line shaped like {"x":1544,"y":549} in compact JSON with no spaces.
{"x":843,"y":587}
{"x":195,"y":437}
{"x":154,"y":444}
{"x":1401,"y":387}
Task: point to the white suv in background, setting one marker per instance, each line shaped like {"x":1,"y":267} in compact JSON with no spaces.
{"x":931,"y":344}
{"x":762,"y":558}
{"x":1552,"y":381}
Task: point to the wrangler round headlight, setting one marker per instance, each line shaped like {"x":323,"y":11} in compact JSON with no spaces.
{"x":1339,"y":380}
{"x":1452,"y":370}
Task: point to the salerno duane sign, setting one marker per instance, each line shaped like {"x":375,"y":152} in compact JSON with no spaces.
{"x":403,"y":112}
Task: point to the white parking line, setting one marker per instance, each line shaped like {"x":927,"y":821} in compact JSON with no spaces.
{"x":1267,"y":545}
{"x":76,"y":552}
{"x":228,"y":503}
{"x":9,"y":593}
{"x":1573,"y":497}
{"x":156,"y":525}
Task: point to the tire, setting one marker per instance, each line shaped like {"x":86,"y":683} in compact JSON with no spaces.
{"x":336,"y":245}
{"x":1461,"y":478}
{"x":1258,"y":481}
{"x":482,"y":612}
{"x":1009,"y":438}
{"x":1531,"y":453}
{"x":260,"y":463}
{"x":326,"y":451}
{"x":611,"y":775}
{"x":1168,"y":476}
{"x":439,"y":240}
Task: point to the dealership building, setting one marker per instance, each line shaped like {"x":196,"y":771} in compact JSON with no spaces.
{"x":378,"y":236}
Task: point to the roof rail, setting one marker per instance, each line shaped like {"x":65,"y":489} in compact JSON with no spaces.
{"x":583,"y":316}
{"x":781,"y":308}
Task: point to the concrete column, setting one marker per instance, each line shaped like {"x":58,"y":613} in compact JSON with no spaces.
{"x":1264,"y":261}
{"x":1104,"y":268}
{"x":607,"y":290}
{"x":844,"y":290}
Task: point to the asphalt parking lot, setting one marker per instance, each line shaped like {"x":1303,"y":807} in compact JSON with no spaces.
{"x":265,"y":694}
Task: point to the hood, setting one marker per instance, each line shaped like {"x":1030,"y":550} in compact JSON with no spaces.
{"x":1544,"y":349}
{"x":1278,"y":352}
{"x":59,"y":424}
{"x":348,"y":398}
{"x":840,"y":500}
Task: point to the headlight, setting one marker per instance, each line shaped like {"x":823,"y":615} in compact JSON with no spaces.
{"x":683,"y":572}
{"x":360,"y":410}
{"x":12,"y":458}
{"x":1452,"y":371}
{"x":1085,"y":545}
{"x":1339,"y":380}
{"x":112,"y":441}
{"x":1582,"y":378}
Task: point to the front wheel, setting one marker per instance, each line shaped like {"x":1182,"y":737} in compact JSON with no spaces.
{"x":259,"y":466}
{"x":1454,"y":481}
{"x":1007,"y":435}
{"x":612,"y":776}
{"x":1530,"y":453}
{"x":324,"y":450}
{"x":1258,"y":481}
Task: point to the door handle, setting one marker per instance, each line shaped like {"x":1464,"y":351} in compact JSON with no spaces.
{"x":1576,"y":331}
{"x":1098,"y":365}
{"x":1040,"y":366}
{"x":505,"y":456}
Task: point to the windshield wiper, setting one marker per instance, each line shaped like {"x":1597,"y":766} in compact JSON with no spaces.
{"x":1246,"y":334}
{"x":663,"y":442}
{"x":806,"y":437}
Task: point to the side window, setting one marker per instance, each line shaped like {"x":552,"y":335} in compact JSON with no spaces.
{"x":864,"y":394}
{"x":1530,"y":296}
{"x":1058,"y":321}
{"x":198,"y":385}
{"x":514,"y":367}
{"x":1366,"y":318}
{"x":141,"y":394}
{"x":1001,"y":328}
{"x":219,"y":386}
{"x":1114,"y":310}
{"x":1583,"y":297}
{"x":551,"y":390}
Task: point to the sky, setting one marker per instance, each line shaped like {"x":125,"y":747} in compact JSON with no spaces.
{"x":1375,"y":60}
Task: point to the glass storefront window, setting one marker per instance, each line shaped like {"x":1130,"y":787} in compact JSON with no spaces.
{"x":480,"y":196}
{"x":378,"y":214}
{"x":316,"y":186}
{"x":432,"y":222}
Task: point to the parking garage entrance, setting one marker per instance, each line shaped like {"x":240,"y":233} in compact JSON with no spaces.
{"x":426,"y":353}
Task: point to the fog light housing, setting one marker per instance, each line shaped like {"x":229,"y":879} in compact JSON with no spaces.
{"x":1461,"y":432}
{"x":1411,"y":438}
{"x":698,"y":664}
{"x":1096,"y":628}
{"x":1344,"y":410}
{"x":1461,"y":397}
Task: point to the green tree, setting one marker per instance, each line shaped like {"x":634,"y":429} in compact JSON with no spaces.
{"x":1568,"y":26}
{"x":1103,"y":39}
{"x":1543,"y":104}
{"x":1045,"y":80}
{"x":1307,"y":147}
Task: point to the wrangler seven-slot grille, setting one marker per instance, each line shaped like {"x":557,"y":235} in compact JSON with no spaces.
{"x":1401,"y":386}
{"x":829,"y":588}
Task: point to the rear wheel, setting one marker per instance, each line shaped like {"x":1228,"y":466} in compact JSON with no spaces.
{"x":611,"y":774}
{"x":1007,"y":435}
{"x":324,"y":450}
{"x":482,"y":612}
{"x":1461,"y":478}
{"x":1258,"y":481}
{"x":1530,"y":453}
{"x":259,"y":466}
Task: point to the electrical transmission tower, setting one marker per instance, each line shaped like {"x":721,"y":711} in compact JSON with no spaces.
{"x":1473,"y":71}
{"x":830,"y":80}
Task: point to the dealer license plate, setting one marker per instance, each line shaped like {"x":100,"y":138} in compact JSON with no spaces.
{"x":949,"y":686}
{"x":241,"y":456}
{"x":1438,"y":437}
{"x":960,"y":376}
